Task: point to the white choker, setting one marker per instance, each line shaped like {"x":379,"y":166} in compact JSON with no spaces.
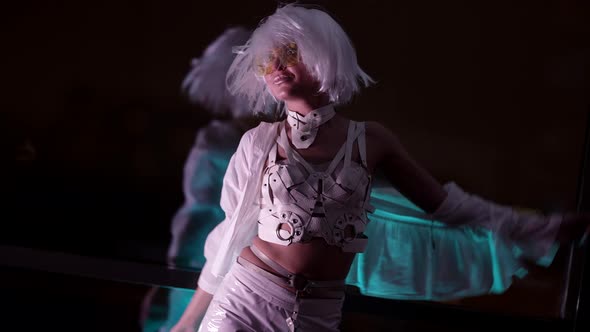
{"x":305,"y":128}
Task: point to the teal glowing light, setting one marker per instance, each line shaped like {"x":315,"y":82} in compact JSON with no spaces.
{"x":412,"y":257}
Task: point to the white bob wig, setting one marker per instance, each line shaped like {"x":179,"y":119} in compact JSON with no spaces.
{"x":323,"y":46}
{"x":205,"y":82}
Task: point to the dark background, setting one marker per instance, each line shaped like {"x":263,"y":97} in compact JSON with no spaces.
{"x":94,"y":130}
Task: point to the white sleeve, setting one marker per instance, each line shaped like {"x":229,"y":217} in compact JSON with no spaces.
{"x":534,"y":233}
{"x":234,"y":183}
{"x":208,"y":281}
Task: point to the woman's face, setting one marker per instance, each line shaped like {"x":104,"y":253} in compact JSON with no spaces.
{"x":286,"y":77}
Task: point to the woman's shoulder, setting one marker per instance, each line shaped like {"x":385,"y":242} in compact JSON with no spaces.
{"x":377,"y":130}
{"x":373,"y":130}
{"x":261,"y":135}
{"x":383,"y":138}
{"x":263,"y":129}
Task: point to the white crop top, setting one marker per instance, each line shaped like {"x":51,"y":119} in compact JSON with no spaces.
{"x":300,"y":201}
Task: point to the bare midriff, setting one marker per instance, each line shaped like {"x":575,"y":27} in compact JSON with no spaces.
{"x":314,"y":260}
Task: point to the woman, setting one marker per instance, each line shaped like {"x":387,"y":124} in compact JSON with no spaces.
{"x":296,"y":191}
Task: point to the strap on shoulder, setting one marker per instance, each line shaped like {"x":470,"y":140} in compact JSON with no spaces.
{"x":362,"y":143}
{"x":356,"y":132}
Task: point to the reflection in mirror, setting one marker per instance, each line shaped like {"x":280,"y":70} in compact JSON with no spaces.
{"x":203,"y":174}
{"x":490,"y":97}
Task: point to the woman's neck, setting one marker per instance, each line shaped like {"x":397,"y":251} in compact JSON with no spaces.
{"x":305,"y":106}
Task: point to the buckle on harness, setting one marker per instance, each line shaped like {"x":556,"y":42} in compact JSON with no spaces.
{"x":298,"y":282}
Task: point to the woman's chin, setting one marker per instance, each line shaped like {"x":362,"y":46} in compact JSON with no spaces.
{"x":284,"y":95}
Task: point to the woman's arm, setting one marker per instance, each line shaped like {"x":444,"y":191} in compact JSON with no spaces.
{"x":194,"y":313}
{"x":453,"y":206}
{"x":413,"y":181}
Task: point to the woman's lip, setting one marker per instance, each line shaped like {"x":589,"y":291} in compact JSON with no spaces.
{"x":281,"y":78}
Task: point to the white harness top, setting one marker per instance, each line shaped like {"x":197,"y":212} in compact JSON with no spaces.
{"x":300,"y":201}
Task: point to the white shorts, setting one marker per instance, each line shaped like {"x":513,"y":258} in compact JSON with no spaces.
{"x":247,"y":301}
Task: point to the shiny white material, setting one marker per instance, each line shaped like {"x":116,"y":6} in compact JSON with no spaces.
{"x":305,"y":128}
{"x":247,"y":301}
{"x":300,"y":201}
{"x":241,"y":185}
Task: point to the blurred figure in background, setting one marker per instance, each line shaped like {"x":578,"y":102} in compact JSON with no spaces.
{"x":203,"y":172}
{"x":214,"y":145}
